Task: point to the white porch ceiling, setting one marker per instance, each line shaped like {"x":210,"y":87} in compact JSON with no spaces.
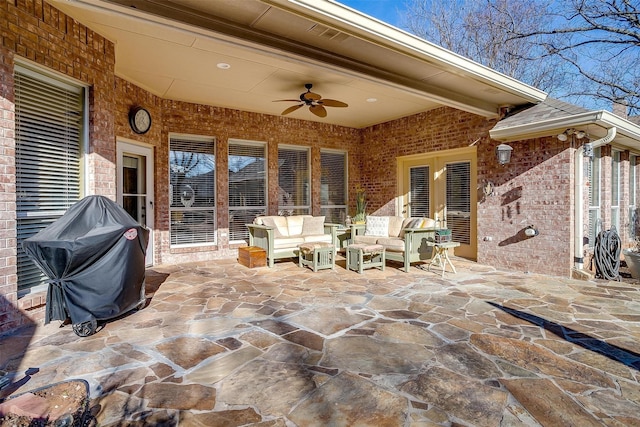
{"x":172,"y":47}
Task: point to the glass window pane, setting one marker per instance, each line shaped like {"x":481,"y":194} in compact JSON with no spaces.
{"x":293,"y":181}
{"x":333,"y":186}
{"x":192,"y":191}
{"x":419,"y":198}
{"x":48,"y":116}
{"x":247,"y":186}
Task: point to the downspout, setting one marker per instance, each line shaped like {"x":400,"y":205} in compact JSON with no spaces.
{"x":579,"y":197}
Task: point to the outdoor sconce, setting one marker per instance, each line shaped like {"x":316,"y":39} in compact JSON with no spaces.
{"x":503,"y":151}
{"x":565,"y":135}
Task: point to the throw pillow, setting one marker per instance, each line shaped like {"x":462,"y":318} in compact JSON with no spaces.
{"x":313,"y":226}
{"x":270,"y":222}
{"x":377,"y":226}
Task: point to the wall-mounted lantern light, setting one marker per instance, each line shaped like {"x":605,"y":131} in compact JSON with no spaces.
{"x":503,"y":151}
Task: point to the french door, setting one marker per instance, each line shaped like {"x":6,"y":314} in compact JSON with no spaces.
{"x":135,"y":186}
{"x":440,"y":186}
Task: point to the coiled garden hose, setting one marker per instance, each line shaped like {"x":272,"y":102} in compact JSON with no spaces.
{"x":606,"y":255}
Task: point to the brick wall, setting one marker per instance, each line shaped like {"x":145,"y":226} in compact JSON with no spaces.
{"x":533,"y":189}
{"x":225,"y":124}
{"x":38,"y":33}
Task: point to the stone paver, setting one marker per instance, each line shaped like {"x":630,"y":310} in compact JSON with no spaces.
{"x":222,"y":345}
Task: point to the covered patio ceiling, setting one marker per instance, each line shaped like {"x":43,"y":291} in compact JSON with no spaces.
{"x":175,"y":49}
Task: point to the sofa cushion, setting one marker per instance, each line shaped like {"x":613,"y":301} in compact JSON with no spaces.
{"x":377,"y":226}
{"x":417,"y":223}
{"x":313,"y":225}
{"x":368,"y":240}
{"x":313,"y":238}
{"x":395,"y":226}
{"x":279,"y":222}
{"x":295,"y":223}
{"x":392,"y":244}
{"x":287,"y":242}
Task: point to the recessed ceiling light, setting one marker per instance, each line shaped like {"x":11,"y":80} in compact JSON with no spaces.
{"x":372,"y":99}
{"x":223,"y":65}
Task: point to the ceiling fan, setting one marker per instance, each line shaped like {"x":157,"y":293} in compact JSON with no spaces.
{"x":312,"y":100}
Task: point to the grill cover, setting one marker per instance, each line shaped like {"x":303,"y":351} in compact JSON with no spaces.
{"x":94,"y":256}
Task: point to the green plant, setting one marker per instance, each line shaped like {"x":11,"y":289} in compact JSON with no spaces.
{"x":361,"y":205}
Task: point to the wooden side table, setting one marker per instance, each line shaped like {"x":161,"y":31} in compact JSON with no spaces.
{"x":252,"y":256}
{"x":440,"y":257}
{"x":362,"y":256}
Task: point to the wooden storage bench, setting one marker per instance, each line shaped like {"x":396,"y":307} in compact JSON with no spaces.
{"x":252,"y":256}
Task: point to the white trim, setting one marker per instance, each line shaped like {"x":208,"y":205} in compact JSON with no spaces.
{"x":603,"y":119}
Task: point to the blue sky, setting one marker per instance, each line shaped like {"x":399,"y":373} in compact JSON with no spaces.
{"x":389,"y":11}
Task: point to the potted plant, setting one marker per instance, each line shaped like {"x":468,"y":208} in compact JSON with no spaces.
{"x":632,"y":258}
{"x":361,"y":206}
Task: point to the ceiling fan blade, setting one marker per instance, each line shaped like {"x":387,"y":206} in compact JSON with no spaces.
{"x":310,"y":95}
{"x":332,"y":103}
{"x":286,"y":100}
{"x":291,"y":109}
{"x":318,"y":110}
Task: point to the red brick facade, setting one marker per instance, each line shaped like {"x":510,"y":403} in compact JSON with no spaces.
{"x":534,"y":189}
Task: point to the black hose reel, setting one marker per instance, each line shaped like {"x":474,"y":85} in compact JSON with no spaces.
{"x":606,"y":255}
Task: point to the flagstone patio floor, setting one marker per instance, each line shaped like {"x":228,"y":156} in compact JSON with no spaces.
{"x":219,"y":344}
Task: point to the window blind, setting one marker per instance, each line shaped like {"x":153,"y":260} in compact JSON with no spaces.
{"x":247,"y":186}
{"x":633,"y":185}
{"x":192,"y":191}
{"x":615,"y":190}
{"x":49,"y":116}
{"x":594,"y":196}
{"x":419,"y":205}
{"x":293,"y":181}
{"x":333,"y":186}
{"x":458,"y":215}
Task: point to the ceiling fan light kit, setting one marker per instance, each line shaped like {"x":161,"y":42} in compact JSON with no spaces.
{"x":312,"y":100}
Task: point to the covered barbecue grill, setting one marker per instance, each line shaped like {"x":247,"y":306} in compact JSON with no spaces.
{"x":94,"y":256}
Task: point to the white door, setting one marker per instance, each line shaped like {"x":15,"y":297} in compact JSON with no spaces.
{"x":135,"y":186}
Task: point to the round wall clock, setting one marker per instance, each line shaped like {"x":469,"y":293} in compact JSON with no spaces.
{"x":139,"y":120}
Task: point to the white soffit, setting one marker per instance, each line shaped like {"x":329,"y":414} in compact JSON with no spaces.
{"x":274,"y":50}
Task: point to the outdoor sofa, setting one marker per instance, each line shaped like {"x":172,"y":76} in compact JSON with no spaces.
{"x":280,"y":236}
{"x":406,"y":240}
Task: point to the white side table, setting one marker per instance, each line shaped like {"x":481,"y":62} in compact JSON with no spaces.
{"x":441,"y":256}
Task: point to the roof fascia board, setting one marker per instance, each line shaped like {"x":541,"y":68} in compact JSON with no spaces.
{"x":390,"y":37}
{"x":602,"y":118}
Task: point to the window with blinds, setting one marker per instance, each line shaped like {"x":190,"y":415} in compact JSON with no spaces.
{"x":615,"y":189}
{"x":420,"y":195}
{"x":294,"y":176}
{"x":458,"y":214}
{"x":333,"y":186}
{"x":49,"y":115}
{"x":633,"y":197}
{"x":192,"y":187}
{"x":247,"y":186}
{"x":594,"y":196}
